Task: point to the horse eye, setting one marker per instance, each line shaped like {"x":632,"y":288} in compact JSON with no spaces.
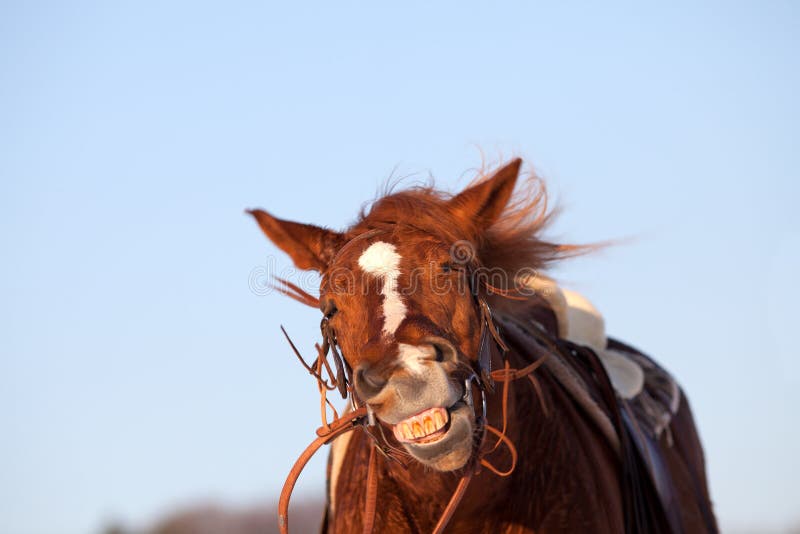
{"x":329,"y":309}
{"x":446,"y":267}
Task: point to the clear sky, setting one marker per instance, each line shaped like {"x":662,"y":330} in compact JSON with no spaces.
{"x":139,"y":372}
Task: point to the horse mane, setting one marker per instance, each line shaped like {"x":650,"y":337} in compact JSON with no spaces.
{"x":512,"y":243}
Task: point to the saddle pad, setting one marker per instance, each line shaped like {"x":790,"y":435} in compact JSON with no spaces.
{"x":581,"y":323}
{"x":653,"y":394}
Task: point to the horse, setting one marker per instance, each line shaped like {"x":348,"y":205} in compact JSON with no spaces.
{"x":483,"y":397}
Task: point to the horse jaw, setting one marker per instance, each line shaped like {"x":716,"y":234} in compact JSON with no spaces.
{"x":454,"y":448}
{"x":410,"y":396}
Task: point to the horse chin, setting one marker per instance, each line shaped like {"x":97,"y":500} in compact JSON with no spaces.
{"x":454,"y":448}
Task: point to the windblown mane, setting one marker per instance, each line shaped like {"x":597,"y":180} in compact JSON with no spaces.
{"x":512,"y":243}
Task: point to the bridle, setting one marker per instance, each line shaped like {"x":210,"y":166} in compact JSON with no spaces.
{"x":361,"y":415}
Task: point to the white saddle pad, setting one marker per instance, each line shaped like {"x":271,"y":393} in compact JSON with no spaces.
{"x":580,"y":322}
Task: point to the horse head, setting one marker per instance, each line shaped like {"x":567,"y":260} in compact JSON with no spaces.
{"x":398,"y":290}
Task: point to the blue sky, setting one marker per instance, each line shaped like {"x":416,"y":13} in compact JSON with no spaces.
{"x":139,"y":372}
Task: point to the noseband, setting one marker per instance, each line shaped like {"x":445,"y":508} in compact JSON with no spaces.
{"x":362,"y":416}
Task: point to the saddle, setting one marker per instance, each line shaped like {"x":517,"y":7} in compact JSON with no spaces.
{"x":629,"y":397}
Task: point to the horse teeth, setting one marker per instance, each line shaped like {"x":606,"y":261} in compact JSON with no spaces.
{"x":421,"y":425}
{"x":429,"y":428}
{"x":418,"y":433}
{"x":438,"y":419}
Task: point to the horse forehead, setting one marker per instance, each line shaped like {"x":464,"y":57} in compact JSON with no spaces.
{"x":380,"y":259}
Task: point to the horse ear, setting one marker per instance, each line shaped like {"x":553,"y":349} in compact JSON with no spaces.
{"x":309,"y":246}
{"x":485,"y":202}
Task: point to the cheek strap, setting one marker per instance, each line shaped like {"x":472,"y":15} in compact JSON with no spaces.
{"x":488,"y":347}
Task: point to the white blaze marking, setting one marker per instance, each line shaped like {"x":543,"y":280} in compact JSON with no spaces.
{"x":412,"y":356}
{"x":382,"y":260}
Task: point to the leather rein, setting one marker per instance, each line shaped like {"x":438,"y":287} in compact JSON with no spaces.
{"x":361,"y":416}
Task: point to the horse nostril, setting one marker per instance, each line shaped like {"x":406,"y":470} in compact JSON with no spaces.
{"x":368,"y":383}
{"x":443,"y":350}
